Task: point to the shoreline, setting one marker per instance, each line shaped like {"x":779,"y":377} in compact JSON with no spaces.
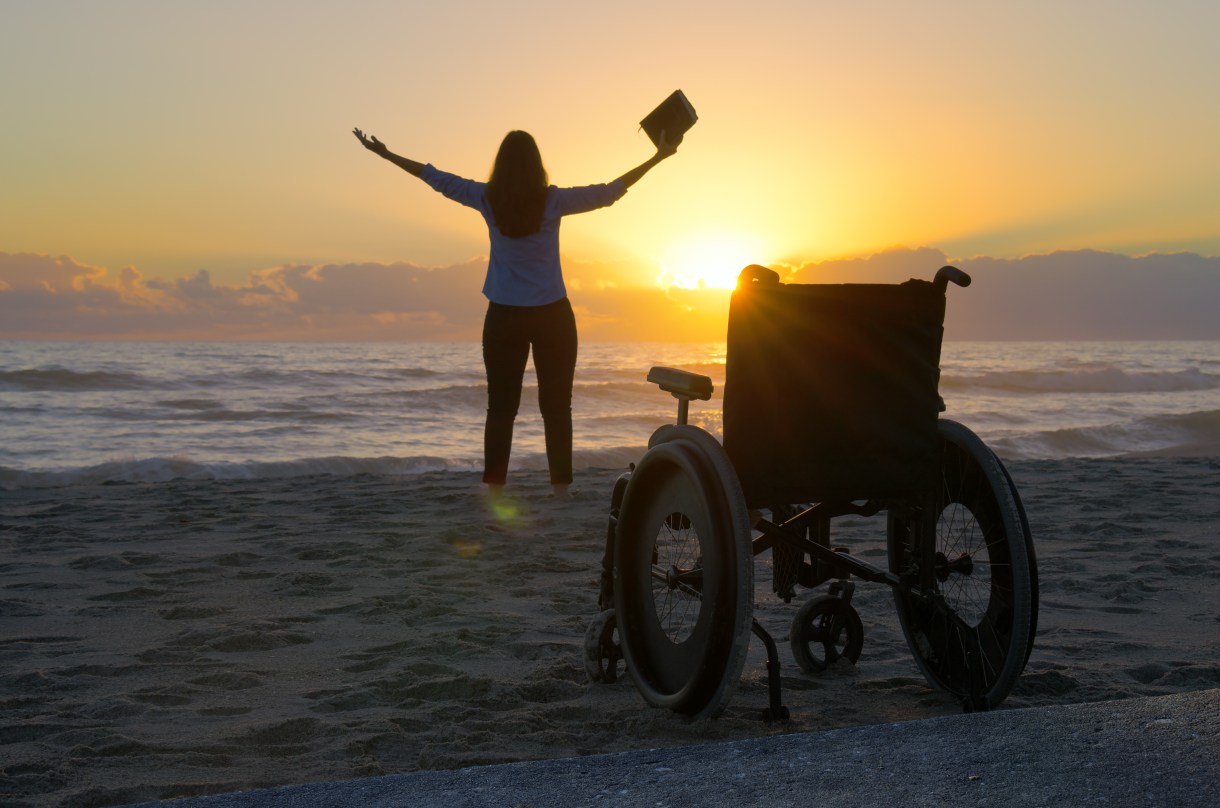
{"x":594,"y":464}
{"x":171,"y":639}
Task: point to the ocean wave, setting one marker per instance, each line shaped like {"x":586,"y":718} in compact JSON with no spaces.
{"x":1193,"y":433}
{"x":293,"y":378}
{"x":638,"y":374}
{"x":191,"y":404}
{"x":62,"y":380}
{"x":451,"y":398}
{"x":216,"y":412}
{"x":1085,"y":380}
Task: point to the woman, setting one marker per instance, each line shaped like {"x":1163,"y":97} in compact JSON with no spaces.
{"x":527,"y":302}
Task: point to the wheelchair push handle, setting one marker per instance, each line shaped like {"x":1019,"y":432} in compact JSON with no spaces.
{"x":757,"y":274}
{"x":946,"y":274}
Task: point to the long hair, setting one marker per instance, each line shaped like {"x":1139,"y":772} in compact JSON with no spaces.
{"x":518,"y":186}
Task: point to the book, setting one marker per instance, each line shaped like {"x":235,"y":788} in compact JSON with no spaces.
{"x":674,"y":116}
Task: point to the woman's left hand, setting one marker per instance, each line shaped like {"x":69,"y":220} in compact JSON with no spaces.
{"x":665,"y":148}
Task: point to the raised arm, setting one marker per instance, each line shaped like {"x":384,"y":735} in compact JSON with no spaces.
{"x":378,"y":148}
{"x":664,"y":149}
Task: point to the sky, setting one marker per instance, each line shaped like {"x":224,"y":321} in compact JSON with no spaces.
{"x":174,"y":169}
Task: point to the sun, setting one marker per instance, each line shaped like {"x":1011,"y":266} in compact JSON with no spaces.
{"x":709,"y":260}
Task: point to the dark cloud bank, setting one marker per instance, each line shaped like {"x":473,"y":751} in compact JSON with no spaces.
{"x":1079,"y":295}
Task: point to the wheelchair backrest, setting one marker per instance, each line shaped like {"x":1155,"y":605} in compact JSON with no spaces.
{"x":831,"y":389}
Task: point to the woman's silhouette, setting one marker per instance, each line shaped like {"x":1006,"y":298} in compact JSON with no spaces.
{"x":527,"y":301}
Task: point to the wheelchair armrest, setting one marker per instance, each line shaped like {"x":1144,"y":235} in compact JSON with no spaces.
{"x":682,"y":383}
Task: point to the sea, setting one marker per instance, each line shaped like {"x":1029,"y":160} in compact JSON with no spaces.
{"x":86,"y":413}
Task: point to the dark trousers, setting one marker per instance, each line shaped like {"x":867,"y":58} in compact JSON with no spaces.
{"x":508,"y":334}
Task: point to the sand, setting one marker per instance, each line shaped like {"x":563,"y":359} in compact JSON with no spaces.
{"x":184,"y":638}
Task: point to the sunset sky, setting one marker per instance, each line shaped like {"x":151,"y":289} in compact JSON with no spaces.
{"x":144,"y":142}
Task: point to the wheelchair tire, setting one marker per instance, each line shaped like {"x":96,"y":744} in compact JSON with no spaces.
{"x":602,"y":650}
{"x":1033,"y":562}
{"x":967,"y":606}
{"x":683,"y":574}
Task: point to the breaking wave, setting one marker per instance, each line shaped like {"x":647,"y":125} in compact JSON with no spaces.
{"x":1085,"y":380}
{"x":1189,"y":434}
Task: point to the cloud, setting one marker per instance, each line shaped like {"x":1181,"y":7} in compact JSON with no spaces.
{"x":1062,"y":295}
{"x":41,"y":294}
{"x":43,"y":297}
{"x":1065,"y":295}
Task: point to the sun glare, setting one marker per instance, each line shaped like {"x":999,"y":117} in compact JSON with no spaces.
{"x":709,"y":260}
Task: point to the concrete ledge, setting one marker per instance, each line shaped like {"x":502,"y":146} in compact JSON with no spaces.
{"x":1162,"y":751}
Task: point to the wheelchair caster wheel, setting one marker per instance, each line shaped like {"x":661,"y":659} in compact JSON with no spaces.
{"x":825,"y":629}
{"x":602,"y":650}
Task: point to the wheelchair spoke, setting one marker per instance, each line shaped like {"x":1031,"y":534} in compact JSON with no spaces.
{"x":674,"y":571}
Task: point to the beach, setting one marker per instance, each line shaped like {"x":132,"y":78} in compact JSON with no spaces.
{"x":188,"y":637}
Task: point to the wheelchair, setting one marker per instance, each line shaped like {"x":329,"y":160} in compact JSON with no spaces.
{"x":831,"y":408}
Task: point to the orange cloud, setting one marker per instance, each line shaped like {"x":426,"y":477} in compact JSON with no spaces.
{"x":1063,"y":295}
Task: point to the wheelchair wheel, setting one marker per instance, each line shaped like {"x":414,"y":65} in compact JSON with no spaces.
{"x":967,"y":604}
{"x":683,"y":574}
{"x":825,"y":629}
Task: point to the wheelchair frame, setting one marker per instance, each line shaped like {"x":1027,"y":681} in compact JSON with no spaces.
{"x":677,"y":585}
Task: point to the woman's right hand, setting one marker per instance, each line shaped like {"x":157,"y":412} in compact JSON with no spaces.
{"x":371,"y":143}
